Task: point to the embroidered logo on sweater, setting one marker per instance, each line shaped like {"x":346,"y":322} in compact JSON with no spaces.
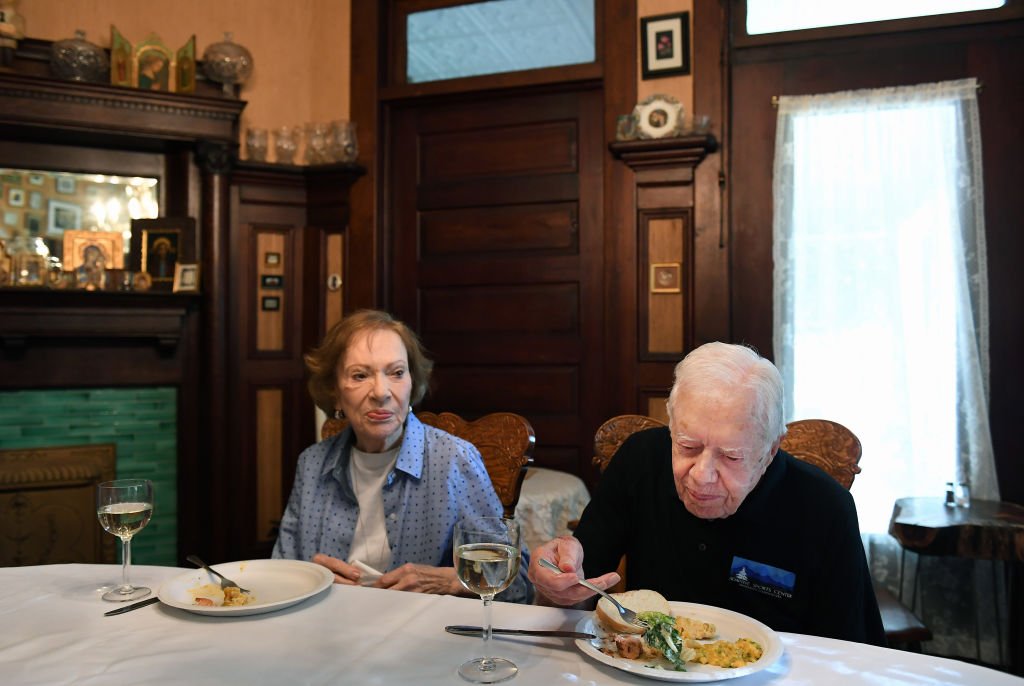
{"x":762,"y":578}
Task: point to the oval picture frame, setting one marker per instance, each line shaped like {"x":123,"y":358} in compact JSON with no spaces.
{"x":658,"y":116}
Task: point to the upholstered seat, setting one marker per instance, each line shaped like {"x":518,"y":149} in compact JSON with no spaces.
{"x":821,"y":442}
{"x":505,"y":441}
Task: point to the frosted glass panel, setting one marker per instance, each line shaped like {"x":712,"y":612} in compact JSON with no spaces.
{"x":498,"y":36}
{"x":770,"y":16}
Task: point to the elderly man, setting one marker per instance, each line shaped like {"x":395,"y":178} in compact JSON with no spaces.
{"x":709,"y":510}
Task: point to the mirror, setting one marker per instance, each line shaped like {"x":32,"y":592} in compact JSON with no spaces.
{"x":36,"y":207}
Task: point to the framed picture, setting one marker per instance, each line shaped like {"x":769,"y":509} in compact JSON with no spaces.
{"x":35,"y":179}
{"x":666,"y":277}
{"x":658,"y":116}
{"x":271,"y":281}
{"x":65,"y":184}
{"x":93,"y":250}
{"x":158,"y":245}
{"x":34,"y":224}
{"x":270,"y":303}
{"x":665,"y":44}
{"x":11,"y":218}
{"x":63,"y":216}
{"x":15,"y":197}
{"x":35,"y":200}
{"x":186,"y":278}
{"x":272,"y":259}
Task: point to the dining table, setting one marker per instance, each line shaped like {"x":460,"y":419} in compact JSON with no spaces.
{"x":55,"y":632}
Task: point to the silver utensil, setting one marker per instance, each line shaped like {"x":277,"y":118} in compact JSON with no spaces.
{"x":134,"y":606}
{"x":224,"y":581}
{"x":624,"y":612}
{"x":461,"y":630}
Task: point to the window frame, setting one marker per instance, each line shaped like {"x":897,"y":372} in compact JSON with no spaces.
{"x":1013,"y":9}
{"x":395,"y":85}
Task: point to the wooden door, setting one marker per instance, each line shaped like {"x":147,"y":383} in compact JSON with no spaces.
{"x":494,"y":253}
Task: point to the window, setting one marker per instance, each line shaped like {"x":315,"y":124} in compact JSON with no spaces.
{"x":498,"y":36}
{"x":880,"y":283}
{"x":772,"y":16}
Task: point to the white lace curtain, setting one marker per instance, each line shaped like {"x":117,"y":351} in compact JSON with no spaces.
{"x":881,"y":303}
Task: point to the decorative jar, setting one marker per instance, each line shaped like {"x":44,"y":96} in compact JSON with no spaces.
{"x":317,"y":150}
{"x":342,"y":142}
{"x":256,"y":144}
{"x":227,"y":63}
{"x":79,"y":60}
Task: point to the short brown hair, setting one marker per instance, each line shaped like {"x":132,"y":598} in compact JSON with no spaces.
{"x":322,"y":362}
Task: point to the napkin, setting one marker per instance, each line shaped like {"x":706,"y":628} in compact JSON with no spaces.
{"x":368,"y":575}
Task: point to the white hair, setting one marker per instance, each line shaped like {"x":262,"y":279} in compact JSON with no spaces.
{"x":719,"y":365}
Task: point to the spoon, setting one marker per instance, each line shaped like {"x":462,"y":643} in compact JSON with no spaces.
{"x":224,"y":581}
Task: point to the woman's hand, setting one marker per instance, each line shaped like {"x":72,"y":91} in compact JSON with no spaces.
{"x":344,"y":573}
{"x":562,"y":588}
{"x":422,"y":579}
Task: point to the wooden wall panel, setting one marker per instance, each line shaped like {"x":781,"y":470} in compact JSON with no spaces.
{"x":529,"y":148}
{"x":666,"y":261}
{"x":270,"y":322}
{"x":549,"y":228}
{"x":549,"y":308}
{"x":269,"y":446}
{"x":334,"y":300}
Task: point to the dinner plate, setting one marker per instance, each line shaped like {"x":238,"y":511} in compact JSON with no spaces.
{"x":730,"y":625}
{"x":273,"y":584}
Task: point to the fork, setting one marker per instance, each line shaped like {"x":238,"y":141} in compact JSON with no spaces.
{"x":224,"y":581}
{"x":624,"y":612}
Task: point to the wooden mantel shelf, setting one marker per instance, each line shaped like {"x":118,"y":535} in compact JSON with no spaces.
{"x":39,"y":102}
{"x":660,"y":153}
{"x":39,"y":314}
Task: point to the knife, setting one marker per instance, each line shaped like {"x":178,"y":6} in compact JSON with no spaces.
{"x":133,"y":606}
{"x":477,"y":631}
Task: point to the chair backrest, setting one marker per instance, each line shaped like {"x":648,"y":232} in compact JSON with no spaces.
{"x":824,"y":443}
{"x":505,"y":441}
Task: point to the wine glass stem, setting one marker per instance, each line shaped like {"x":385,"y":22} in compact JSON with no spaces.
{"x":486,"y":664}
{"x":126,"y":563}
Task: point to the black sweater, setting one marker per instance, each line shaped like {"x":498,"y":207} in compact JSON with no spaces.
{"x":791,"y":556}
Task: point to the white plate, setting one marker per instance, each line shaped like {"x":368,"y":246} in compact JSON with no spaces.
{"x":274,"y":585}
{"x":730,"y":625}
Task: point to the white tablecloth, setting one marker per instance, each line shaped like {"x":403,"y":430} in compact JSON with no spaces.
{"x":54,"y":632}
{"x":549,"y":500}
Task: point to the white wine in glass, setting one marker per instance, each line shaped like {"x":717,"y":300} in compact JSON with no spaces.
{"x":124,"y":507}
{"x":486,"y":552}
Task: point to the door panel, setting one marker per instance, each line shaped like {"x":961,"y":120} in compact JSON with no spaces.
{"x":496,"y":258}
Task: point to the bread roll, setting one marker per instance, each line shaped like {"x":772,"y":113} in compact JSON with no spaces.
{"x":638,"y":601}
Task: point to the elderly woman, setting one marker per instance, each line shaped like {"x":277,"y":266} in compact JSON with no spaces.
{"x":386,"y":492}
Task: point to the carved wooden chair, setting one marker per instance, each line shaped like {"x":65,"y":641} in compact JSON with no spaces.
{"x":505,"y":441}
{"x":826,"y":444}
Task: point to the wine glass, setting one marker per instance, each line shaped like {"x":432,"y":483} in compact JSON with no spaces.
{"x":486,"y":551}
{"x":125,"y":506}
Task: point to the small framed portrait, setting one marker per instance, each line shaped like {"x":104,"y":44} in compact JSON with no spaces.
{"x":272,"y":259}
{"x":658,"y":116}
{"x":665,"y":45}
{"x":186,"y":278}
{"x":36,"y":179}
{"x":35,"y":200}
{"x":271,"y":281}
{"x":93,"y":250}
{"x":158,"y":245}
{"x":63,"y":216}
{"x":153,"y":67}
{"x":16,"y":197}
{"x":34,"y":224}
{"x":666,"y":277}
{"x":270,"y":303}
{"x":10,"y":218}
{"x":65,"y":184}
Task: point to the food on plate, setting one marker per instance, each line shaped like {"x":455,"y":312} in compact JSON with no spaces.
{"x":668,"y":641}
{"x":736,"y":653}
{"x":212,"y":595}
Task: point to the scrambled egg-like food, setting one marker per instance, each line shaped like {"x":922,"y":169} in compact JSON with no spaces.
{"x":721,"y":653}
{"x":733,"y":654}
{"x":212,"y":595}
